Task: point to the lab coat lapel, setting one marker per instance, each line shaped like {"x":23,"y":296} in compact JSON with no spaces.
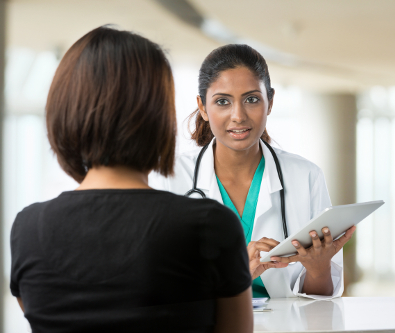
{"x":207,"y":180}
{"x":270,"y":184}
{"x":214,"y":192}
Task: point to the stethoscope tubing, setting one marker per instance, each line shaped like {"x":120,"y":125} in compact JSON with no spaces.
{"x":196,"y":190}
{"x":195,"y":175}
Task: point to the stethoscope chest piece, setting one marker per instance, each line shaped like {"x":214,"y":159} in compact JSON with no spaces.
{"x":195,"y":193}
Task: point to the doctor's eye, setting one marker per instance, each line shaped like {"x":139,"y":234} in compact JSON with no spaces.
{"x":222,"y":101}
{"x":252,"y":99}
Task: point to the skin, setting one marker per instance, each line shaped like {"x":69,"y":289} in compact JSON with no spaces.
{"x":317,"y":260}
{"x":121,"y":177}
{"x":234,"y":314}
{"x":238,"y":100}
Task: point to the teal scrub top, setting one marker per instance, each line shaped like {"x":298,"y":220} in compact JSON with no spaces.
{"x":247,"y":220}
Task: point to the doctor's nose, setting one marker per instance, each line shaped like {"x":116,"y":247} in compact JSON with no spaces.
{"x":238,"y":114}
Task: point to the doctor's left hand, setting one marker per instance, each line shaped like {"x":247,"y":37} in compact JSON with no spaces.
{"x":254,"y":248}
{"x":317,"y":258}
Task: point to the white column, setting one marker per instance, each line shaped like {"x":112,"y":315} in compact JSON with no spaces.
{"x":2,"y":65}
{"x":330,"y":120}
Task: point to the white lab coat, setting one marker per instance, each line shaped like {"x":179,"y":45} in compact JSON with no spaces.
{"x":306,"y":195}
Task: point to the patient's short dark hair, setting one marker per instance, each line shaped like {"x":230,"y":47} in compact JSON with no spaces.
{"x":111,"y":103}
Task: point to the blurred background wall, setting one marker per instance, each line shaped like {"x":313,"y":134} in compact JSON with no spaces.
{"x":332,"y":64}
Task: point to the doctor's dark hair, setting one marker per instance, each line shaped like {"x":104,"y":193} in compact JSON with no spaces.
{"x":111,"y":103}
{"x":221,"y":59}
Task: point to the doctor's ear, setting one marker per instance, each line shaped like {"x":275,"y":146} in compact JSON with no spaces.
{"x":269,"y":109}
{"x":202,"y":108}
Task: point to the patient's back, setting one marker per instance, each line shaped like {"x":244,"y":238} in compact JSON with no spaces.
{"x":126,"y":260}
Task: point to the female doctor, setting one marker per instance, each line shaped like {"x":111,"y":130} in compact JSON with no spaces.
{"x":239,"y":170}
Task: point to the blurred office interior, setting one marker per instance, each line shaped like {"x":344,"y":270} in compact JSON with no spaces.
{"x":332,"y":64}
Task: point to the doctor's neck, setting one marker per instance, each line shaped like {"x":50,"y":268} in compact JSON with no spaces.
{"x":230,"y":162}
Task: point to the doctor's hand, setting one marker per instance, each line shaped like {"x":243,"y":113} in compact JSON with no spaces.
{"x":317,"y":260}
{"x":254,"y":248}
{"x":317,"y":257}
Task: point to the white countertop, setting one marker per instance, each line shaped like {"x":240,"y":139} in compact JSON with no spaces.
{"x":346,"y":314}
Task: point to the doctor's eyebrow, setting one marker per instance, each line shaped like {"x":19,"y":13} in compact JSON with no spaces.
{"x":246,"y":93}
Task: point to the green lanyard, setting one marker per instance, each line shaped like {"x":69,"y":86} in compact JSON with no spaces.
{"x":247,"y":220}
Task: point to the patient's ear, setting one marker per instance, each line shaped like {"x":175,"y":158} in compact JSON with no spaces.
{"x":202,"y":108}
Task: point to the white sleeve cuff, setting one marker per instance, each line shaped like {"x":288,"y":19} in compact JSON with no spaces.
{"x":337,"y":280}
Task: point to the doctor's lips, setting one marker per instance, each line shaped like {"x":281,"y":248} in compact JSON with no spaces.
{"x":239,"y":132}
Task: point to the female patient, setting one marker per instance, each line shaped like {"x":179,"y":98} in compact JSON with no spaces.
{"x":115,"y":255}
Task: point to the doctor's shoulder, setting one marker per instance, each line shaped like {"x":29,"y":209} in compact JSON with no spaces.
{"x":181,"y":181}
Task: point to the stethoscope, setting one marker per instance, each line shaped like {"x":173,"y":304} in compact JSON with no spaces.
{"x":279,"y":172}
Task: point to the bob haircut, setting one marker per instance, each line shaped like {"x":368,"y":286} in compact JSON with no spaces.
{"x":111,"y":103}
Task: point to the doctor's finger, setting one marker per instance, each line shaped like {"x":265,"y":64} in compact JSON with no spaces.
{"x":269,"y":241}
{"x":251,"y":250}
{"x":258,"y":246}
{"x":272,"y":264}
{"x":301,"y":250}
{"x":254,"y":264}
{"x":327,"y":236}
{"x":316,"y":240}
{"x":339,"y":243}
{"x":276,"y":264}
{"x":263,"y":247}
{"x":285,"y":260}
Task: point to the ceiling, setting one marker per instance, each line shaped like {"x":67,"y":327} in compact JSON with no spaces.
{"x":339,"y":45}
{"x":57,"y":24}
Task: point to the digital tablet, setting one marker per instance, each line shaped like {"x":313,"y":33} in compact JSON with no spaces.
{"x":337,"y":218}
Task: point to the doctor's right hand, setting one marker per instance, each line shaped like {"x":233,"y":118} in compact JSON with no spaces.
{"x":254,"y":249}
